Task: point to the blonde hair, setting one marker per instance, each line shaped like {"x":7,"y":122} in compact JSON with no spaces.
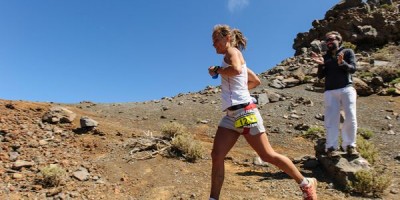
{"x":237,"y":38}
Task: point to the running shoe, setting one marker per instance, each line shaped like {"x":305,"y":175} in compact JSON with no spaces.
{"x":310,"y":190}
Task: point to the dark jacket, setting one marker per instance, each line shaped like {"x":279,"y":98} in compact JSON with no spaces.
{"x":338,"y":76}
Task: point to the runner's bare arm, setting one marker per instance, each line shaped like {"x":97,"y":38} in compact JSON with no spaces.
{"x":253,"y":80}
{"x":234,"y":58}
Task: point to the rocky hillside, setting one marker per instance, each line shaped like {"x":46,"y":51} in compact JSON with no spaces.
{"x":371,"y":29}
{"x":377,"y":72}
{"x":114,"y":151}
{"x":366,"y":24}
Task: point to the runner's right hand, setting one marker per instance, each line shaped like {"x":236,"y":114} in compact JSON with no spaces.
{"x":211,"y":71}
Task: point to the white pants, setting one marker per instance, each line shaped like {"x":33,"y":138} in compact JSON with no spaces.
{"x":345,"y":97}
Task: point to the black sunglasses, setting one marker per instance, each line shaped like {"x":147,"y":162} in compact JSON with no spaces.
{"x":330,"y":39}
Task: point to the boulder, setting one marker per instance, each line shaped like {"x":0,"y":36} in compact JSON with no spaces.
{"x":58,"y":115}
{"x":316,"y":46}
{"x":87,"y":122}
{"x":367,"y":32}
{"x":277,"y":84}
{"x":341,"y":169}
{"x":362,"y":88}
{"x":276,"y":70}
{"x":262,"y":99}
{"x":291,"y":82}
{"x":377,"y":81}
{"x":273,"y":97}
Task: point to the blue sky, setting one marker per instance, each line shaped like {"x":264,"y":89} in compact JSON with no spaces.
{"x":106,"y":51}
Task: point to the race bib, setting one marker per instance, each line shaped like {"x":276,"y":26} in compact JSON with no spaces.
{"x":246,"y":119}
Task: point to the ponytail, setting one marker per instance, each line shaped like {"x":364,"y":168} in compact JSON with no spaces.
{"x":238,"y":40}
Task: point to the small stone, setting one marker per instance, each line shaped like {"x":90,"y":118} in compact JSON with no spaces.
{"x":73,"y":194}
{"x":394,"y":191}
{"x":204,"y":121}
{"x":33,"y":144}
{"x":4,"y":156}
{"x":13,"y":155}
{"x":21,"y":163}
{"x":320,"y":117}
{"x":53,"y":192}
{"x":17,"y":176}
{"x":12,"y":188}
{"x":397,"y":157}
{"x":95,"y":178}
{"x":164,"y":108}
{"x":57,"y":130}
{"x":330,"y":186}
{"x":81,"y":175}
{"x":294,"y":116}
{"x":43,"y":142}
{"x":37,"y":187}
{"x":297,"y":160}
{"x":61,"y":196}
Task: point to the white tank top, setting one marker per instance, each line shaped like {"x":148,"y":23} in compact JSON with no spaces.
{"x":234,"y":88}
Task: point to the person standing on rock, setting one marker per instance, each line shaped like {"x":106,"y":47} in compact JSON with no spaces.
{"x":242,"y":116}
{"x":337,"y":67}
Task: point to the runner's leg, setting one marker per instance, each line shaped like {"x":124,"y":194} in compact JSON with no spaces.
{"x":263,"y":148}
{"x":223,"y":142}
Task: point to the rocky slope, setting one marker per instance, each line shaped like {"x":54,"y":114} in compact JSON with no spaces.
{"x":107,"y":169}
{"x":99,"y":163}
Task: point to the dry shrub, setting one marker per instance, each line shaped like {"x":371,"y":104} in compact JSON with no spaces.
{"x":395,"y":81}
{"x":307,"y":79}
{"x":388,"y":7}
{"x":365,"y":133}
{"x":186,"y":146}
{"x":183,"y":143}
{"x":367,"y":150}
{"x":369,"y":182}
{"x":391,"y":91}
{"x":172,"y":130}
{"x":365,"y":74}
{"x":382,"y":54}
{"x":349,"y":45}
{"x":314,"y":132}
{"x":53,"y":175}
{"x":387,"y":53}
